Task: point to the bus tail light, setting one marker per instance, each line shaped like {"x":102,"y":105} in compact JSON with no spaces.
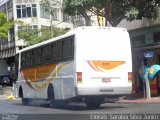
{"x":130,"y":77}
{"x":79,"y":77}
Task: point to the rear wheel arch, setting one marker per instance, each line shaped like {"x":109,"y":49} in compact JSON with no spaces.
{"x":51,"y":95}
{"x":20,"y":92}
{"x":50,"y":87}
{"x":25,"y":101}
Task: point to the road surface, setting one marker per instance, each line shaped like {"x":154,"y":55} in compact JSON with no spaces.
{"x":76,"y":111}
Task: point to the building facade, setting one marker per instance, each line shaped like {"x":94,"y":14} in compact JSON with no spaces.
{"x":32,"y":13}
{"x":145,"y":37}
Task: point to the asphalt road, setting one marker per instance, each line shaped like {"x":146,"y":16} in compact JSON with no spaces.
{"x":39,"y":110}
{"x":75,"y":111}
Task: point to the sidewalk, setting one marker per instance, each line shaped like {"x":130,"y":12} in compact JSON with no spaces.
{"x":5,"y":92}
{"x":139,"y":100}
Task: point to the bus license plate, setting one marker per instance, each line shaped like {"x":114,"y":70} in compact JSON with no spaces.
{"x":106,"y":80}
{"x":106,"y":90}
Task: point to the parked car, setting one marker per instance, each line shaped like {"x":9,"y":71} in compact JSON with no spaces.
{"x":6,"y":81}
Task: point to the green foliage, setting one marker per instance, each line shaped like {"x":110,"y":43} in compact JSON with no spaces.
{"x":47,"y":6}
{"x":115,"y":10}
{"x":74,"y":7}
{"x":78,"y":7}
{"x":45,"y":34}
{"x":34,"y":36}
{"x":146,"y":8}
{"x":5,"y":25}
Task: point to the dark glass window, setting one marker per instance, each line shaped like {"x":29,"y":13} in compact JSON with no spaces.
{"x":23,"y":61}
{"x":156,"y":36}
{"x":55,"y":14}
{"x":26,"y":11}
{"x":54,"y":52}
{"x":138,"y":40}
{"x":44,"y":13}
{"x":19,"y":11}
{"x":34,"y":10}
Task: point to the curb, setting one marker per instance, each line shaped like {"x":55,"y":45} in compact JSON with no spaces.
{"x":140,"y":101}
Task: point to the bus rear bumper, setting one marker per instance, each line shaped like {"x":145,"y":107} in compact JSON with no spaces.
{"x":113,"y":91}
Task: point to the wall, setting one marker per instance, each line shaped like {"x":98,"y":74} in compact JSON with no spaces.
{"x":3,"y":68}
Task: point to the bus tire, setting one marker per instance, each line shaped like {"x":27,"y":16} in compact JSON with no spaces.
{"x":51,"y":96}
{"x":93,"y":103}
{"x":25,"y":101}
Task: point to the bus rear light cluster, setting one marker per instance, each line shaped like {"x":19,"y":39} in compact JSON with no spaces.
{"x":130,"y":77}
{"x":79,"y":77}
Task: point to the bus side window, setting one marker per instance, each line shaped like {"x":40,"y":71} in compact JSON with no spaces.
{"x":53,"y":53}
{"x":16,"y":68}
{"x":59,"y":50}
{"x":43,"y":54}
{"x":70,"y":47}
{"x":29,"y":60}
{"x":38,"y":55}
{"x":23,"y":60}
{"x":48,"y":53}
{"x":64,"y":49}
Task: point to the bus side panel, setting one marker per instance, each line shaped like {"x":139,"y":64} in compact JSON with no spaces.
{"x":27,"y":91}
{"x":62,"y":78}
{"x":64,"y":81}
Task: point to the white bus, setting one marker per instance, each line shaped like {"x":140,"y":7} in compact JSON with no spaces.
{"x":88,"y":63}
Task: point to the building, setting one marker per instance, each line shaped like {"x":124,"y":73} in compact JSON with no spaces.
{"x":31,"y":12}
{"x":145,"y":37}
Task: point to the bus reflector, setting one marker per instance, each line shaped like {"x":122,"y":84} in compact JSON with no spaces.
{"x":79,"y":77}
{"x":130,"y":77}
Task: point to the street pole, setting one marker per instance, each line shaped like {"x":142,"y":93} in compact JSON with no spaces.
{"x":146,"y":85}
{"x":148,"y":91}
{"x":144,"y":91}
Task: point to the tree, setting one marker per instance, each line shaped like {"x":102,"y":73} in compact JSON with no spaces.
{"x":113,"y":10}
{"x":78,"y":7}
{"x":146,"y":9}
{"x":5,"y":25}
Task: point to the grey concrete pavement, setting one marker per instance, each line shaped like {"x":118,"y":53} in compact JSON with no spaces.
{"x":5,"y":92}
{"x":140,"y":100}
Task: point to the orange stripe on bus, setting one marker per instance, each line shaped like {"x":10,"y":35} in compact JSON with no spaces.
{"x":40,"y":73}
{"x":40,"y":70}
{"x":104,"y":65}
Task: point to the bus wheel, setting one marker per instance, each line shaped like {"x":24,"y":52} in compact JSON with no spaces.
{"x":51,"y":96}
{"x":93,"y":103}
{"x":25,"y":101}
